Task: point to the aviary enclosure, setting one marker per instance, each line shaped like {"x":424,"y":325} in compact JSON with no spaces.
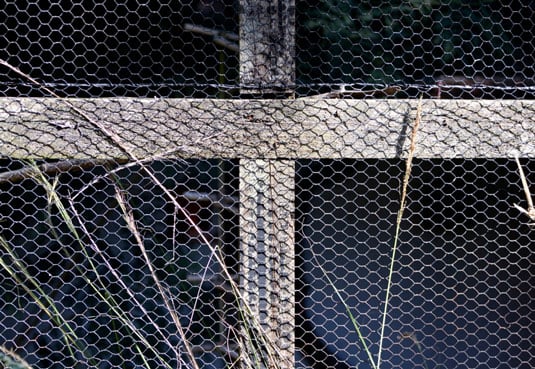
{"x":267,"y":184}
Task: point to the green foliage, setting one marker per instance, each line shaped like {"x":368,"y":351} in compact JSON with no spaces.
{"x":385,"y":41}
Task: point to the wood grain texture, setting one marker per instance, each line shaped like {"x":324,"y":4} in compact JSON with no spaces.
{"x":267,"y":254}
{"x":269,"y":129}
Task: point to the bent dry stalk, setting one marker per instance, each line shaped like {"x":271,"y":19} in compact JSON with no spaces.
{"x":408,"y":168}
{"x":530,"y":211}
{"x":254,"y":332}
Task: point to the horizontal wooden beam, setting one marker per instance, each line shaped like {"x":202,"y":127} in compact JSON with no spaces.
{"x":290,"y":129}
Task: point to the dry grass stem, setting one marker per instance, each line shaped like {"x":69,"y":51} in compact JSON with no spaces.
{"x":10,"y":360}
{"x":120,"y":314}
{"x":405,"y":184}
{"x":530,"y":211}
{"x":129,"y":218}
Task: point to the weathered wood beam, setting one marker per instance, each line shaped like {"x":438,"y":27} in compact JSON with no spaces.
{"x":267,"y":234}
{"x":267,"y":69}
{"x":269,"y":129}
{"x":267,"y":47}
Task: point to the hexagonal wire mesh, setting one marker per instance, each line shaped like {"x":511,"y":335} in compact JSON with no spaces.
{"x":191,"y":48}
{"x":444,"y":49}
{"x":116,"y":48}
{"x":85,"y":296}
{"x":79,"y":290}
{"x":462,"y":293}
{"x":463,"y":280}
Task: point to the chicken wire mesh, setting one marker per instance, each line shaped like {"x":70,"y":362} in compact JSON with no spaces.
{"x":115,"y":253}
{"x":86,"y":288}
{"x":462,"y":296}
{"x":78,"y":289}
{"x":443,"y":49}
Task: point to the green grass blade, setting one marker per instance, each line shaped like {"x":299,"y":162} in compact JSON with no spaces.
{"x":349,"y":314}
{"x":46,"y":304}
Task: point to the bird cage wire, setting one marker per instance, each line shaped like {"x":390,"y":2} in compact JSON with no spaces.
{"x":223,"y":230}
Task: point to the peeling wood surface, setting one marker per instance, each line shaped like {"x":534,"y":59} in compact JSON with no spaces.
{"x":290,"y":129}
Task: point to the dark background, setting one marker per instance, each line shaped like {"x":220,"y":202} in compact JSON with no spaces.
{"x":128,"y":48}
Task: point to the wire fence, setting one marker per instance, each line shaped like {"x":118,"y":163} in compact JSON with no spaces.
{"x":442,"y":49}
{"x":294,"y":207}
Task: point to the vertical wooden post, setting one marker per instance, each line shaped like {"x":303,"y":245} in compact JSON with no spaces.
{"x":267,"y":47}
{"x":267,"y":69}
{"x":267,"y":252}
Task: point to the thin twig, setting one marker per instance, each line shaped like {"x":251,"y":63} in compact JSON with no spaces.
{"x":222,"y":38}
{"x":524,"y":183}
{"x":129,"y":218}
{"x":128,"y":290}
{"x":12,"y":360}
{"x":55,"y":168}
{"x":343,"y":93}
